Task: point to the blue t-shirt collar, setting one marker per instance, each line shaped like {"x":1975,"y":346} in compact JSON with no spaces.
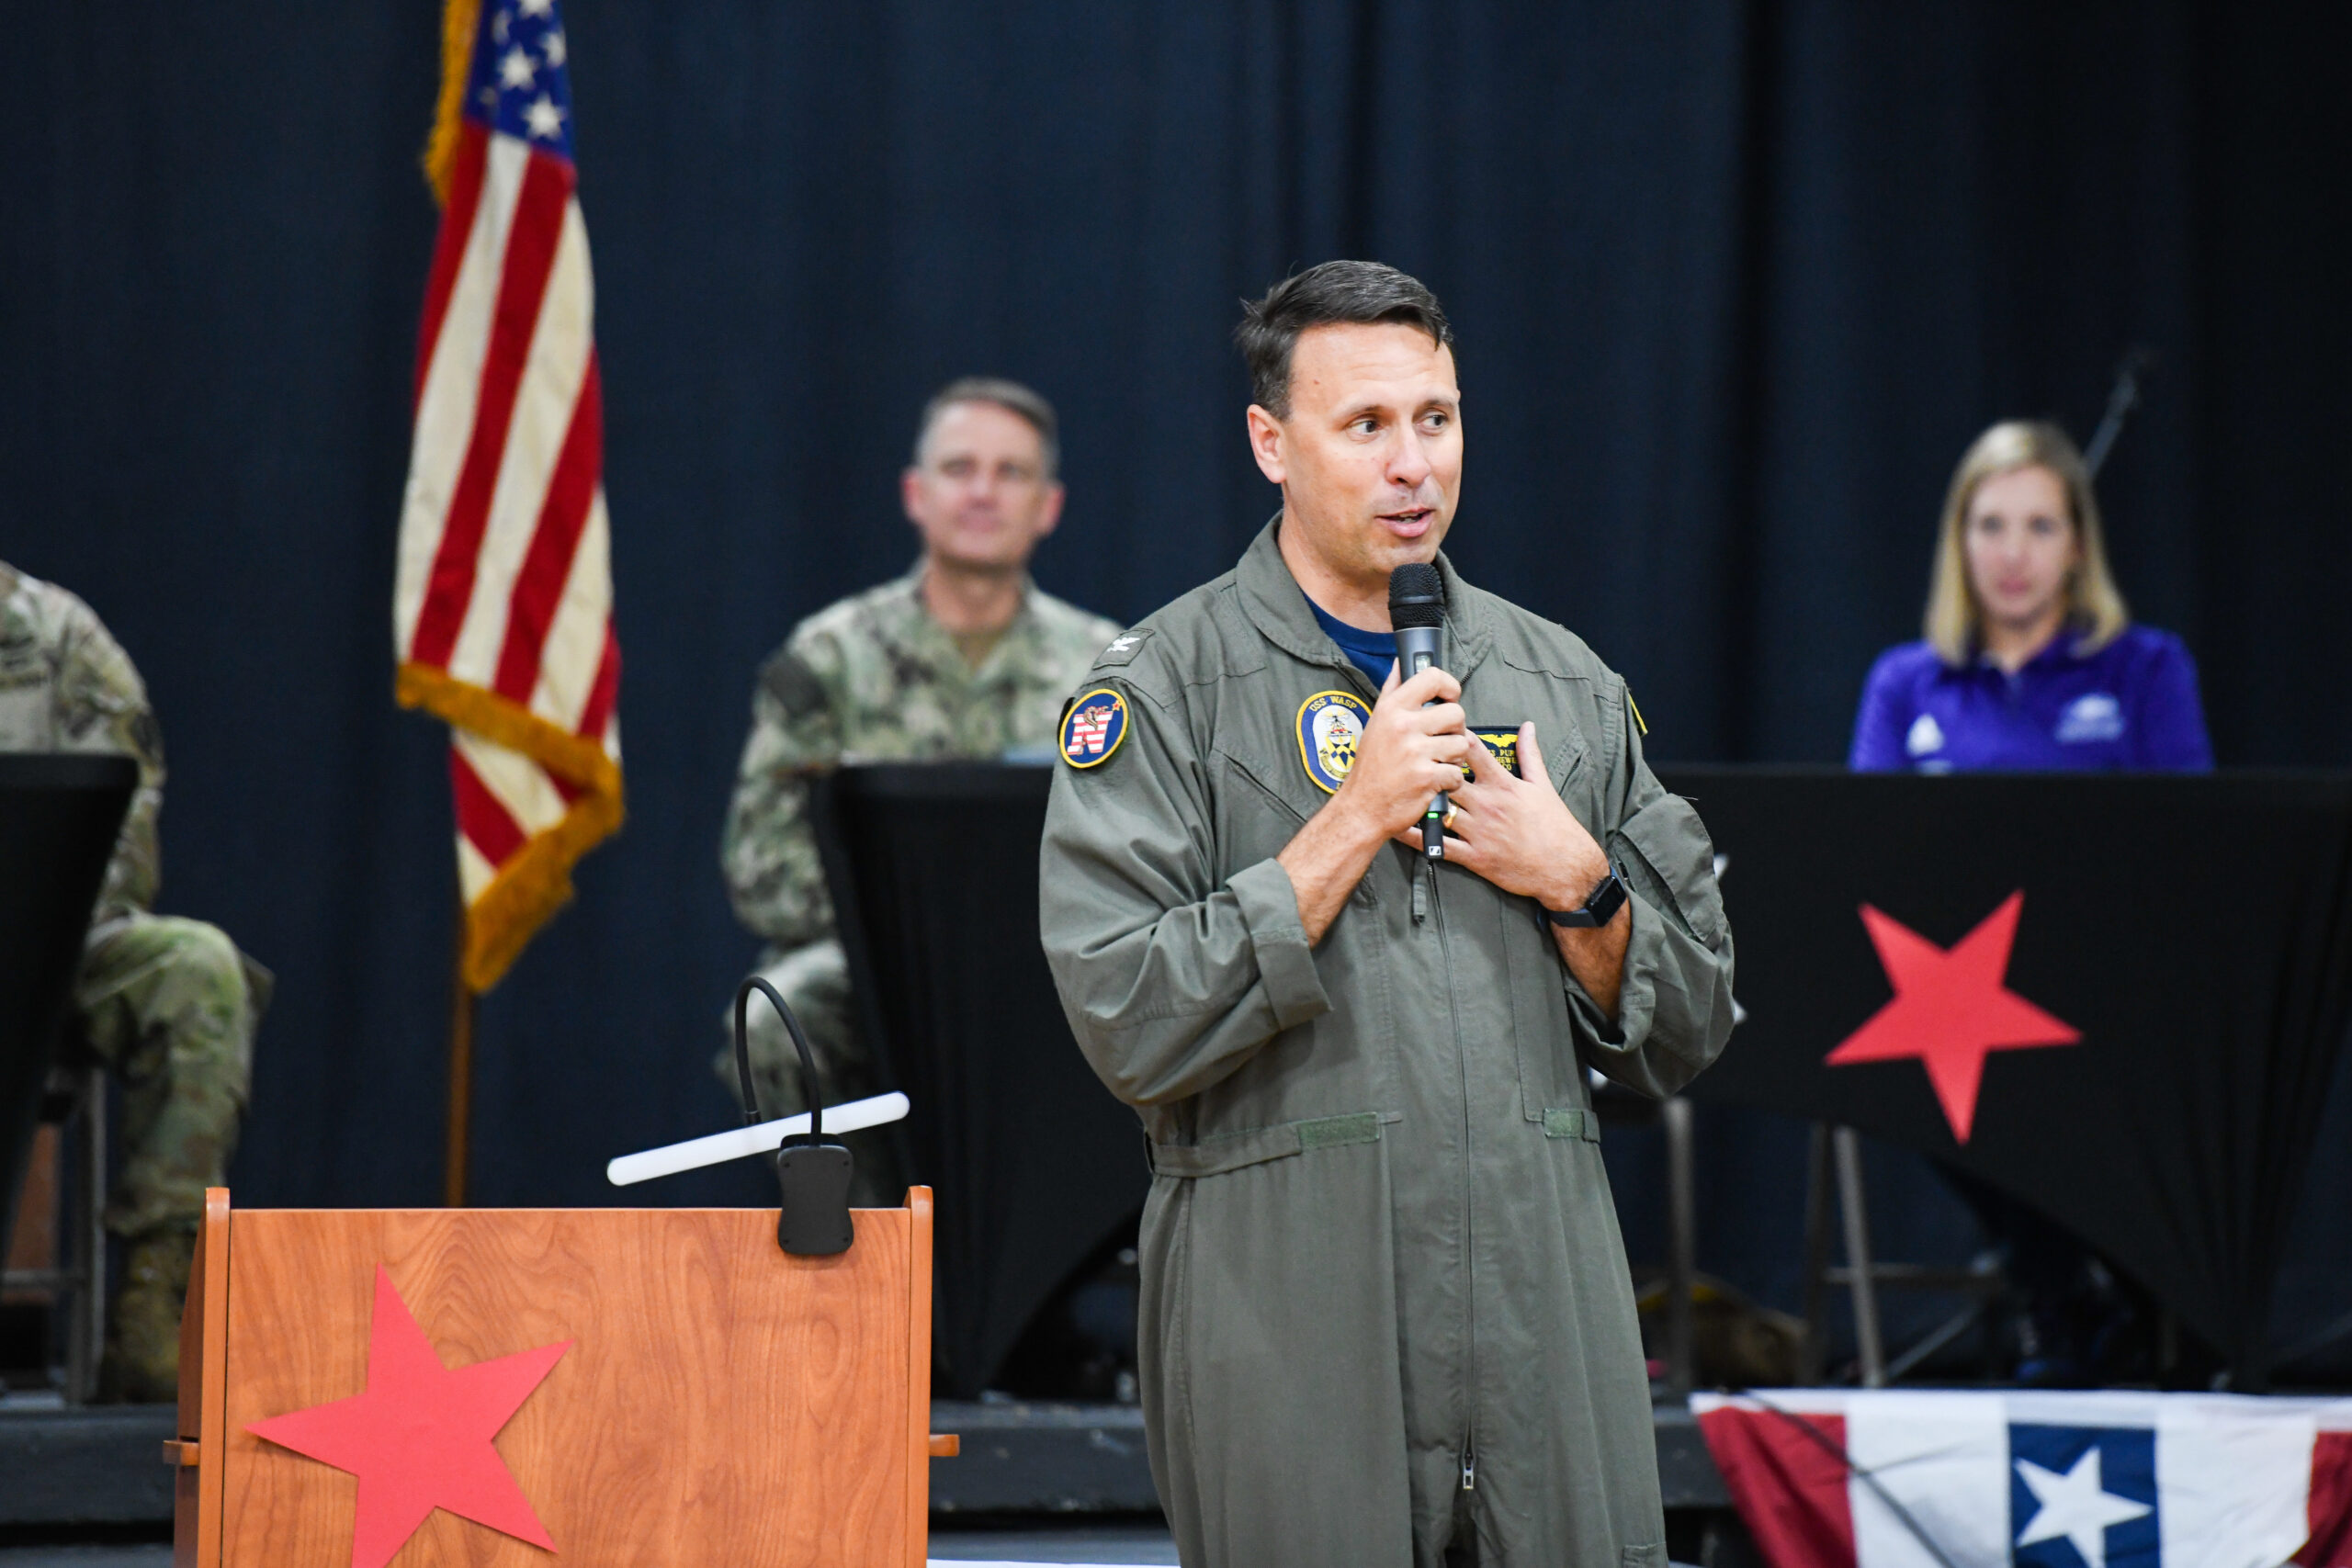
{"x":1373,"y":652}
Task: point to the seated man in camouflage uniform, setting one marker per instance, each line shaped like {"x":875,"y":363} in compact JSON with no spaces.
{"x":168,"y":1004}
{"x":963,"y":657}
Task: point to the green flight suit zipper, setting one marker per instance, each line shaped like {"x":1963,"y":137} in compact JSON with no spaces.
{"x":1425,"y":899}
{"x":1469,"y":1239}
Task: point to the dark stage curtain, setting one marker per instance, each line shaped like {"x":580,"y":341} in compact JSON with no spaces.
{"x":1735,"y":283}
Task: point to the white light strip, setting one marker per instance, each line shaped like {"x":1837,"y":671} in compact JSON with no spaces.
{"x":696,"y":1152}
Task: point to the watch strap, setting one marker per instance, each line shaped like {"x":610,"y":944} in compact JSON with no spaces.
{"x":1599,"y":909}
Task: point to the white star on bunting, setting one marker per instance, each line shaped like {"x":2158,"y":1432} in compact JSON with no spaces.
{"x":552,"y":46}
{"x":2076,"y":1506}
{"x":514,"y":69}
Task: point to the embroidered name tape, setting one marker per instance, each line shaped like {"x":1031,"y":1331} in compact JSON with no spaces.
{"x":1330,"y":727}
{"x":1094,"y":728}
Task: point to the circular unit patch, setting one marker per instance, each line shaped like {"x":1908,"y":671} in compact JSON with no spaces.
{"x":1330,"y":727}
{"x":1094,"y":728}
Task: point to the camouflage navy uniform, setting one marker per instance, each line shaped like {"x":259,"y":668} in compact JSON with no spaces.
{"x":872,"y":679}
{"x":168,"y":1004}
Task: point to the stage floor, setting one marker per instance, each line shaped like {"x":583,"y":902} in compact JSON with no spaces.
{"x":1044,"y":1483}
{"x":1076,"y":1542}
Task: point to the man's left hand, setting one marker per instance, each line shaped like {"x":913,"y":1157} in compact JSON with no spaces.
{"x":1518,"y":833}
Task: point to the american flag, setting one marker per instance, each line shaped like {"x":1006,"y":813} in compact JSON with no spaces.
{"x":502,"y":613}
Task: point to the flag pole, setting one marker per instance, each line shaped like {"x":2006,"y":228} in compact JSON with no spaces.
{"x":460,"y":20}
{"x":461,"y":1072}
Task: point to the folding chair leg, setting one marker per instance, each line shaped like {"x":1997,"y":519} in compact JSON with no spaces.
{"x":86,"y":1339}
{"x":1815,"y":1352}
{"x":1863,"y":1280}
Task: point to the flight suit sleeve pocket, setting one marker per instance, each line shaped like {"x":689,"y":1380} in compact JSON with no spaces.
{"x":1672,"y":845}
{"x":1650,"y":1556}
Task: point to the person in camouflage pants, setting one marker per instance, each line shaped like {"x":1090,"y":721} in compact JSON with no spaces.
{"x":168,"y":1004}
{"x":964,"y":657}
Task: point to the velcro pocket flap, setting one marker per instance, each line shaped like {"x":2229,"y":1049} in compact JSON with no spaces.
{"x":1572,"y":1122}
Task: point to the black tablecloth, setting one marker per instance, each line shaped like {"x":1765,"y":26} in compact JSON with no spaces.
{"x":2192,"y":934}
{"x":933,"y":872}
{"x":58,"y":819}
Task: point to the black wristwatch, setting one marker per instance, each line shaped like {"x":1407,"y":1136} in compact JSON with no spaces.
{"x":1599,"y":909}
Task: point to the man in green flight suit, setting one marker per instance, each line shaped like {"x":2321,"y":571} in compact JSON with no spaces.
{"x":963,"y":657}
{"x":1386,"y":1315}
{"x":169,"y":1005}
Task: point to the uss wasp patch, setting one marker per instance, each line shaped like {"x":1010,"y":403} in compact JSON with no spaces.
{"x":1094,"y":728}
{"x":1330,"y":727}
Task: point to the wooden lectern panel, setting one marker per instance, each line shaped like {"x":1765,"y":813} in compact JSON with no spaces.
{"x":721,"y":1402}
{"x":204,"y":1338}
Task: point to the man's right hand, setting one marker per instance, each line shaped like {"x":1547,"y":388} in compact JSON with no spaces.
{"x":1408,"y":755}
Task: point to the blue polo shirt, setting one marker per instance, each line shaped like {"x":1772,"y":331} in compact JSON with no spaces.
{"x":2131,"y":705}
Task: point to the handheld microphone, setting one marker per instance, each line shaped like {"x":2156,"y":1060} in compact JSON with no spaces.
{"x":1417,"y":611}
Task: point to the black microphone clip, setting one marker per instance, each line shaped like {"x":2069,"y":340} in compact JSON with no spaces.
{"x":812,"y":1175}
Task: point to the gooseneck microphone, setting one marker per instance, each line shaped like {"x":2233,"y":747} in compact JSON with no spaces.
{"x":1417,"y":611}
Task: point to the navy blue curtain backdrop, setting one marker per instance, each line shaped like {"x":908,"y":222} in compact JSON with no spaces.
{"x":1735,"y":283}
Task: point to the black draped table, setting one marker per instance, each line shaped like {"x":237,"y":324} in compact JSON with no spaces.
{"x":2119,"y":1000}
{"x":934,"y":873}
{"x":59,"y":815}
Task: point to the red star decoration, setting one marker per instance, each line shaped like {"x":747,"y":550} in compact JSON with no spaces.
{"x":1950,"y":1010}
{"x":419,"y":1437}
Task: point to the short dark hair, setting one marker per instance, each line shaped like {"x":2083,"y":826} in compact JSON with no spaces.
{"x":1356,"y":293}
{"x":1011,"y":396}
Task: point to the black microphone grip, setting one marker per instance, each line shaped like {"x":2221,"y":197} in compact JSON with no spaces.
{"x":1418,"y":649}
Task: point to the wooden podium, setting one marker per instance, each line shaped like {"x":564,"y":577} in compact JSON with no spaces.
{"x":717,"y":1401}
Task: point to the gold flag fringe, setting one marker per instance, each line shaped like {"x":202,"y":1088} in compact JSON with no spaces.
{"x":530,"y":887}
{"x":537,"y":880}
{"x":460,"y":20}
{"x":579,"y":758}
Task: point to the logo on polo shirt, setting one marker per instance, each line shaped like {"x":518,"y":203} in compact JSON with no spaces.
{"x":2095,"y":715}
{"x":1926,"y":736}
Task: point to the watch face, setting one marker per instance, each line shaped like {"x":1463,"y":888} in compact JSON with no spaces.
{"x":1599,"y":909}
{"x":1607,"y":896}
